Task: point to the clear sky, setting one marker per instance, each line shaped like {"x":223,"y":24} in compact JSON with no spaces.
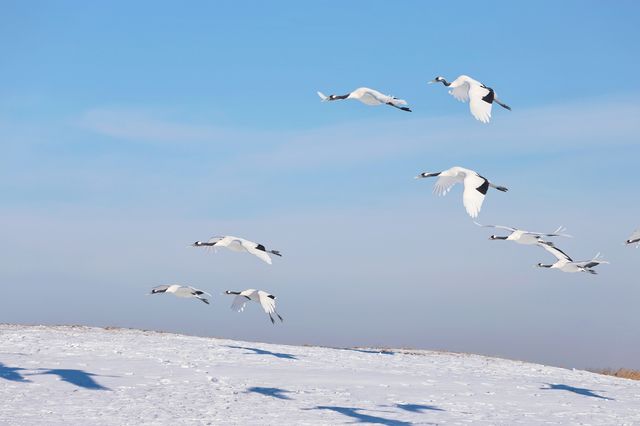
{"x":131,"y":129}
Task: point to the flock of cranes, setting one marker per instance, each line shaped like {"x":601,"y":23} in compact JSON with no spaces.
{"x":266,"y":300}
{"x":481,"y":99}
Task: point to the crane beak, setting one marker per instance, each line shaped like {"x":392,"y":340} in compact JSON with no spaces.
{"x":432,"y":81}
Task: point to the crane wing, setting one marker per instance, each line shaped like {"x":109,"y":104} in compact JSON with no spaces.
{"x":239,"y":302}
{"x":444,"y":184}
{"x":557,"y":233}
{"x":198,"y":292}
{"x":508,"y":228}
{"x":461,"y":92}
{"x":556,"y":252}
{"x":262,"y":255}
{"x":480,"y":103}
{"x":475,"y":188}
{"x":396,"y":101}
{"x":370,"y":98}
{"x":267,"y":303}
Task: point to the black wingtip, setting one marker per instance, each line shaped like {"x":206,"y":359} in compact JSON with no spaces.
{"x":406,"y":109}
{"x":205,"y":301}
{"x":272,"y":320}
{"x":276,"y":252}
{"x":502,"y":188}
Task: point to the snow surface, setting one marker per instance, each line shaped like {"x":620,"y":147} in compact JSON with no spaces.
{"x":93,"y":376}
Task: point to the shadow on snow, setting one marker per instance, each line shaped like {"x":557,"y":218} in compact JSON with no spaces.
{"x":11,"y":373}
{"x":76,"y":377}
{"x":273,"y":392}
{"x":418,"y":408}
{"x":579,"y":391}
{"x":355,"y":413}
{"x":264,"y":352}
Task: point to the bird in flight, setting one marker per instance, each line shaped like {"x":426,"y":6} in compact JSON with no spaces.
{"x":479,"y":96}
{"x":521,"y":236}
{"x":634,"y":238}
{"x":181,"y":291}
{"x":566,"y":264}
{"x":239,"y":244}
{"x":368,"y":97}
{"x":266,"y":300}
{"x":475,"y":186}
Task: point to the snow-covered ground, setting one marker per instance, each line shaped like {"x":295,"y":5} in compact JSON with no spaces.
{"x":88,"y":376}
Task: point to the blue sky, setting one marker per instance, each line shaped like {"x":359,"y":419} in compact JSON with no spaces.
{"x":131,"y":130}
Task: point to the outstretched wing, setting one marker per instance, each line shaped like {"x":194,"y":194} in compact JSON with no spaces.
{"x":475,"y":188}
{"x":557,"y":233}
{"x":508,"y":228}
{"x":254,"y":250}
{"x":373,"y":98}
{"x":395,"y":101}
{"x":239,"y":302}
{"x":444,"y":184}
{"x":461,"y":92}
{"x":556,"y":252}
{"x":597,"y":260}
{"x":198,"y":292}
{"x":268,"y":303}
{"x":481,"y":99}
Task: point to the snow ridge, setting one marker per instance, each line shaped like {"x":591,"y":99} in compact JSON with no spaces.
{"x":93,"y":376}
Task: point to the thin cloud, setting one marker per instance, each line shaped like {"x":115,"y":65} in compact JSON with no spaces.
{"x":552,"y":128}
{"x":536,"y":130}
{"x":140,"y":125}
